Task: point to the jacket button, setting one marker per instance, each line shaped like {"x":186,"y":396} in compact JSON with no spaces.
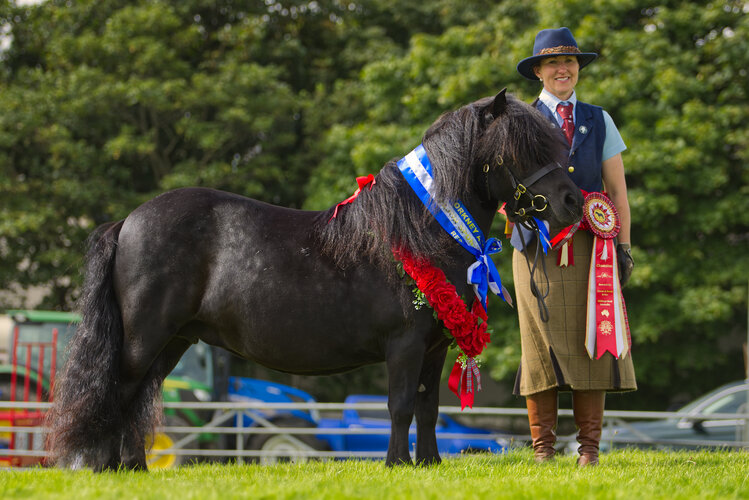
{"x":570,"y":169}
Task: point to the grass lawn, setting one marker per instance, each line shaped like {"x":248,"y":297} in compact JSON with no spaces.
{"x":623,"y":474}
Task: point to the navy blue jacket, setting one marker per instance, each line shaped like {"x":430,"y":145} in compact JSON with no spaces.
{"x":586,"y":153}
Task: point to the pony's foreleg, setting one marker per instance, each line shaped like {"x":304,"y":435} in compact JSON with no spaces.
{"x":427,"y":407}
{"x":403,"y":364}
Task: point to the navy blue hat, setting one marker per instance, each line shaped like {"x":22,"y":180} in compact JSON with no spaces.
{"x":550,"y":43}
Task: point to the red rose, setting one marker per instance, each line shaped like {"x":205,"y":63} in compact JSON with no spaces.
{"x":442,"y":295}
{"x":429,"y":278}
{"x":462,"y":329}
{"x":456,"y":320}
{"x":484,"y":339}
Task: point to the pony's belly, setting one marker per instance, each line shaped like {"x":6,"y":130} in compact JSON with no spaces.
{"x":296,"y":340}
{"x":307,"y":352}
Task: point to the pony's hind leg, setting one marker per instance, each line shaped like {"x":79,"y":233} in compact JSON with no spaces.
{"x":427,"y":407}
{"x":144,"y":412}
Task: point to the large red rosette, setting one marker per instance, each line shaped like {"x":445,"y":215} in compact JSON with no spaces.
{"x":468,"y":327}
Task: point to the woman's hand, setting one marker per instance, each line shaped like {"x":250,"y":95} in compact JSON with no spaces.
{"x":625,"y":261}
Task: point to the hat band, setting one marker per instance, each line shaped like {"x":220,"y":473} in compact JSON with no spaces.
{"x":562,"y":49}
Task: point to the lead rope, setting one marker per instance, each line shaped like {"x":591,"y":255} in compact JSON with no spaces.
{"x":543,"y":311}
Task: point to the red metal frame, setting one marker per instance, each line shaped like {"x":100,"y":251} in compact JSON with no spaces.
{"x":25,"y":417}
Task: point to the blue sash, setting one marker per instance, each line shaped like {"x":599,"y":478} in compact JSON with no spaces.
{"x":458,"y":222}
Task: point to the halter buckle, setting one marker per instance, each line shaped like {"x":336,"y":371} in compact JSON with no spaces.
{"x":520,"y":191}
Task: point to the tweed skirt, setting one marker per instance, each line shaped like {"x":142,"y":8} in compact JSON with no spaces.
{"x":553,"y":353}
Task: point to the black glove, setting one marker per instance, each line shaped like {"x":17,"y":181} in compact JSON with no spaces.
{"x":625,"y":261}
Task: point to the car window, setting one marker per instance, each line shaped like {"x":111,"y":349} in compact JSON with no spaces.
{"x":730,"y":403}
{"x":374,"y":414}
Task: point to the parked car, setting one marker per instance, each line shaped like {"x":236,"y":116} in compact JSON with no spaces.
{"x":475,"y":439}
{"x":692,"y":428}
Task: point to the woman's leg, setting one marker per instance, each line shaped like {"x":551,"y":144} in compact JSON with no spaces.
{"x":542,"y":417}
{"x":587,"y":407}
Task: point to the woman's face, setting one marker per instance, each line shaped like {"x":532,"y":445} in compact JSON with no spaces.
{"x":559,"y":74}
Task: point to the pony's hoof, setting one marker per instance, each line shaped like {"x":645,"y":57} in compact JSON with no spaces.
{"x":75,"y":462}
{"x":398,"y":462}
{"x":88,"y":461}
{"x":429,"y":461}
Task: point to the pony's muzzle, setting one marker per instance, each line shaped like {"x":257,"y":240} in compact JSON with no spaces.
{"x":573,"y":206}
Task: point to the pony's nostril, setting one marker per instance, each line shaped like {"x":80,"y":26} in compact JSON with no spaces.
{"x":571,"y":201}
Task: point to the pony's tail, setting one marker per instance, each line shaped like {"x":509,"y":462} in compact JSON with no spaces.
{"x":86,"y":418}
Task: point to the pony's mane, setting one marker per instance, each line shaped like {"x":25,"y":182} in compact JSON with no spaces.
{"x":459,"y":143}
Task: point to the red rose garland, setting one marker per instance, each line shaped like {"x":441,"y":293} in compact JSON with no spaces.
{"x":469,"y":328}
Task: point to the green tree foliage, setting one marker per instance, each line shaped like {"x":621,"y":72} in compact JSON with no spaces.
{"x":108,"y":103}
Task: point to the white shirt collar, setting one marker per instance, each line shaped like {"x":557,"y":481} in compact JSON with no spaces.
{"x":551,"y":101}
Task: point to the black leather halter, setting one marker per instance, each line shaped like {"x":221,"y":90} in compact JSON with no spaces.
{"x":537,"y":203}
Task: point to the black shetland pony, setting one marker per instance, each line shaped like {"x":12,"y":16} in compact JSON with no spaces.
{"x":292,"y":290}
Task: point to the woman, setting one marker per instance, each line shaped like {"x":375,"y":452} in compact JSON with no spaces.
{"x":554,"y":356}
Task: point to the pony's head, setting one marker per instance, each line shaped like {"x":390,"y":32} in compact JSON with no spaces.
{"x":501,"y":149}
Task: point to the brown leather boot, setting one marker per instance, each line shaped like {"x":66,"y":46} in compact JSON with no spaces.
{"x":587,"y":407}
{"x":542,"y":417}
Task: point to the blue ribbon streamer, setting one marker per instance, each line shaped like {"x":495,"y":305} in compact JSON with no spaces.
{"x":454,"y":218}
{"x":543,"y":234}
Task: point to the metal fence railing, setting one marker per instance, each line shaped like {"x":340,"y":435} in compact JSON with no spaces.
{"x":188,"y":441}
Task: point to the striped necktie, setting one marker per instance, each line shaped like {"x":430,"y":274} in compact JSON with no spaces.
{"x":568,"y":125}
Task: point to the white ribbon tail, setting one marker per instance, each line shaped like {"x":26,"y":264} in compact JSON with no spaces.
{"x":590,"y":320}
{"x":564,"y":260}
{"x":469,"y":275}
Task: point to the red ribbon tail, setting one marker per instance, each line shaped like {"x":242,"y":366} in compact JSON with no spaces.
{"x":453,"y":383}
{"x":478,"y":310}
{"x":458,"y":386}
{"x":466,"y":399}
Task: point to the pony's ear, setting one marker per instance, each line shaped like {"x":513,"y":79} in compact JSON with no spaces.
{"x":499,"y":104}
